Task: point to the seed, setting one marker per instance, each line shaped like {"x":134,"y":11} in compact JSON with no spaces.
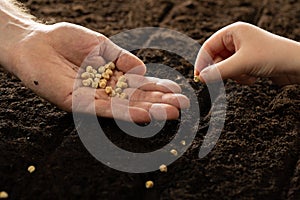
{"x":108,"y":90}
{"x":98,"y":76}
{"x":109,"y":72}
{"x":122,"y":85}
{"x":113,"y":93}
{"x":92,"y":75}
{"x":87,"y":82}
{"x":3,"y":195}
{"x":163,"y":168}
{"x":183,"y":142}
{"x":196,"y":79}
{"x":122,"y":78}
{"x":174,"y":152}
{"x":95,"y":84}
{"x":123,"y":96}
{"x":101,"y":69}
{"x":89,"y":69}
{"x":105,"y":75}
{"x":94,"y":71}
{"x":31,"y":168}
{"x":102,"y":84}
{"x":111,"y":65}
{"x":97,"y":80}
{"x":118,"y":90}
{"x":85,"y":75}
{"x":149,"y":184}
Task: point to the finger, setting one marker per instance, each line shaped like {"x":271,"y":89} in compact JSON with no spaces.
{"x":152,"y":84}
{"x":245,"y":79}
{"x":158,"y":111}
{"x":228,"y":68}
{"x":124,"y":60}
{"x":177,"y":100}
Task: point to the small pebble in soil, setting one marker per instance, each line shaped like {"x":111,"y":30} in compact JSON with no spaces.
{"x":163,"y":168}
{"x":149,"y":184}
{"x":196,"y":79}
{"x":183,"y":142}
{"x":3,"y":195}
{"x":31,"y":169}
{"x":174,"y":152}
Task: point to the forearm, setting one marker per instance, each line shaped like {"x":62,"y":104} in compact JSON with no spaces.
{"x":15,"y":25}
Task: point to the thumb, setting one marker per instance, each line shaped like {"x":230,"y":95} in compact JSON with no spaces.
{"x":228,"y":68}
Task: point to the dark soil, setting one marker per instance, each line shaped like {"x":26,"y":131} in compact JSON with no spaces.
{"x":256,"y":157}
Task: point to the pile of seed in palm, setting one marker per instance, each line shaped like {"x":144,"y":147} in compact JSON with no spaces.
{"x":99,"y":78}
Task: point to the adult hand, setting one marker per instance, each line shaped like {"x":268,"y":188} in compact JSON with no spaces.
{"x":48,"y":58}
{"x":244,"y":52}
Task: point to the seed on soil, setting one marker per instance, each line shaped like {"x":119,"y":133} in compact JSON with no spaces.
{"x":183,"y":142}
{"x":196,"y":79}
{"x":174,"y":152}
{"x":3,"y":195}
{"x":31,"y":169}
{"x":163,"y":168}
{"x":149,"y":184}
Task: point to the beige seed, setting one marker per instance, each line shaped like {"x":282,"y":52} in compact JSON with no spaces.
{"x":106,"y":76}
{"x":3,"y":195}
{"x":97,"y":80}
{"x":94,"y":71}
{"x":122,"y":85}
{"x":31,"y":169}
{"x":123,"y":96}
{"x":174,"y":152}
{"x":109,"y":72}
{"x":122,"y":78}
{"x":183,"y":142}
{"x":113,"y":93}
{"x":95,"y":84}
{"x":85,"y":75}
{"x":111,"y":65}
{"x":89,"y":69}
{"x":149,"y":184}
{"x":118,"y":90}
{"x":108,"y":90}
{"x":196,"y":79}
{"x":102,"y":84}
{"x":101,"y":69}
{"x":163,"y":168}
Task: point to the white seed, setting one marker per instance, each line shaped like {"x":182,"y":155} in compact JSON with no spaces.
{"x":89,"y":69}
{"x":123,"y":96}
{"x":101,"y":69}
{"x":98,"y":76}
{"x":108,"y":90}
{"x":183,"y":142}
{"x":97,"y":80}
{"x":196,"y":79}
{"x":122,"y":85}
{"x":95,"y":84}
{"x":87,"y":82}
{"x":85,"y":75}
{"x":94,"y":71}
{"x":118,"y":90}
{"x":174,"y":152}
{"x":163,"y":168}
{"x":31,"y":169}
{"x":122,"y":78}
{"x":3,"y":195}
{"x":149,"y":184}
{"x":111,"y":65}
{"x":106,"y":76}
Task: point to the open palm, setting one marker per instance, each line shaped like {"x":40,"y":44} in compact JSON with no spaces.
{"x":49,"y":61}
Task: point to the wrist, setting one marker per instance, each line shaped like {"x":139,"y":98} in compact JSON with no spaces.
{"x":13,"y":29}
